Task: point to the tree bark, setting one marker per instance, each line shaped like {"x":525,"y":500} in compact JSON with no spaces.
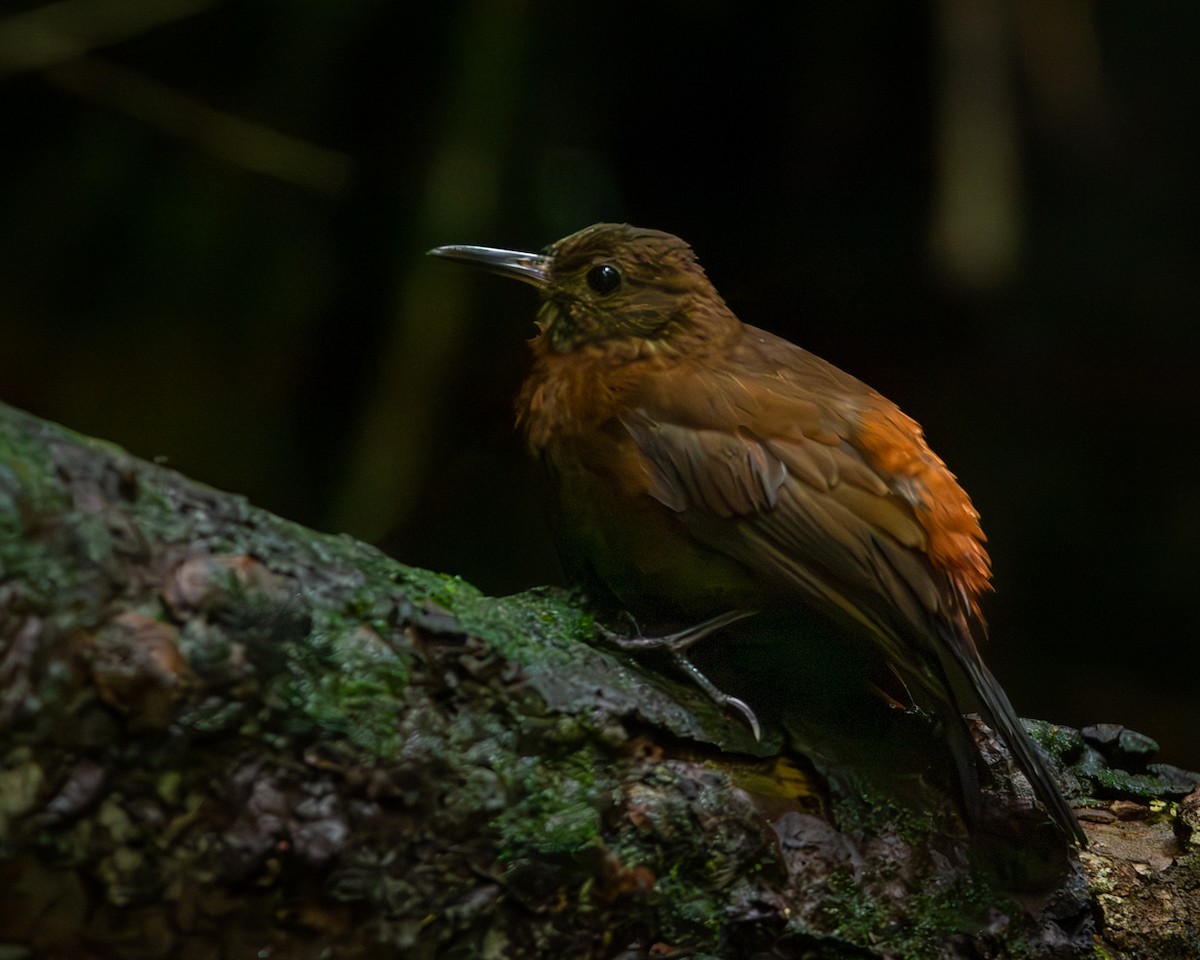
{"x":225,"y":735}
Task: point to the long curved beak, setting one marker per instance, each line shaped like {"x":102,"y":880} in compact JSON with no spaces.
{"x":530,"y":267}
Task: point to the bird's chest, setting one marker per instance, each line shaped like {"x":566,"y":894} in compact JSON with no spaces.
{"x":610,"y":530}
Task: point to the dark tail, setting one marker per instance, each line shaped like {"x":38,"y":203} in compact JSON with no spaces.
{"x":1001,"y":717}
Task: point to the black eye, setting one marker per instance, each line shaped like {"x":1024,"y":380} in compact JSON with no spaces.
{"x":604,"y":278}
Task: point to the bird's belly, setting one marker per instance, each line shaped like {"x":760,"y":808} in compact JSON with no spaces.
{"x":642,"y":553}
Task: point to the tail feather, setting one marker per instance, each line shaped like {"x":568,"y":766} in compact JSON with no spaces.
{"x":1000,"y":716}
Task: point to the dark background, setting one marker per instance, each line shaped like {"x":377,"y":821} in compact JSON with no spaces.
{"x":213,"y":218}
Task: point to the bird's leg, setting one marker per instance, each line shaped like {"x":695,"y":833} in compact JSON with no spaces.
{"x":718,"y":696}
{"x":680,"y":640}
{"x":676,"y":644}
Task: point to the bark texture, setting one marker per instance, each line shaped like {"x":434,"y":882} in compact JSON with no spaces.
{"x":224,"y":735}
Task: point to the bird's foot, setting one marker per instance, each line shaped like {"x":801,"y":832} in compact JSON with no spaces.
{"x":677,"y":643}
{"x":716,"y":694}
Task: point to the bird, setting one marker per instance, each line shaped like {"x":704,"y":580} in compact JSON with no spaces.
{"x":708,"y":469}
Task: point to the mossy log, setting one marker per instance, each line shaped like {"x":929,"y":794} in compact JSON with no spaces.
{"x":225,"y":735}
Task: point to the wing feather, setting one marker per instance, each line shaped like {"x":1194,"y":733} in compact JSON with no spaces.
{"x":841,"y":503}
{"x":804,"y":512}
{"x":712,"y":471}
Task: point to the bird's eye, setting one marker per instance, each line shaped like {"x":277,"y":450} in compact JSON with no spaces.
{"x":604,"y":278}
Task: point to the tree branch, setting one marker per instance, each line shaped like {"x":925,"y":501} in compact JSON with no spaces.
{"x":222,"y":734}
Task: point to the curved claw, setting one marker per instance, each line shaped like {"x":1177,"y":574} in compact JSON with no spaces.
{"x":676,"y":643}
{"x":715,"y":693}
{"x":744,"y":709}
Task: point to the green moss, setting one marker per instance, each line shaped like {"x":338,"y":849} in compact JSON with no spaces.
{"x":556,"y":808}
{"x":30,"y":550}
{"x":870,"y":811}
{"x":1062,"y":743}
{"x":964,"y":907}
{"x":1140,"y":786}
{"x":528,"y":627}
{"x":449,"y":592}
{"x":849,"y":910}
{"x":349,"y":684}
{"x":690,"y":914}
{"x":855,"y":912}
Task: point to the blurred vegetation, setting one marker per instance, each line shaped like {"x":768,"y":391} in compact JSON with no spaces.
{"x":213,"y":217}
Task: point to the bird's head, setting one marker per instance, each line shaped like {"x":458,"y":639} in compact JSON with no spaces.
{"x":612,"y":283}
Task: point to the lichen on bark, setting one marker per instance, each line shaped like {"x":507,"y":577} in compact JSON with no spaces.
{"x":222,"y":734}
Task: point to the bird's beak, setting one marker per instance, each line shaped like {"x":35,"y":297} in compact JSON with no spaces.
{"x":530,"y":267}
